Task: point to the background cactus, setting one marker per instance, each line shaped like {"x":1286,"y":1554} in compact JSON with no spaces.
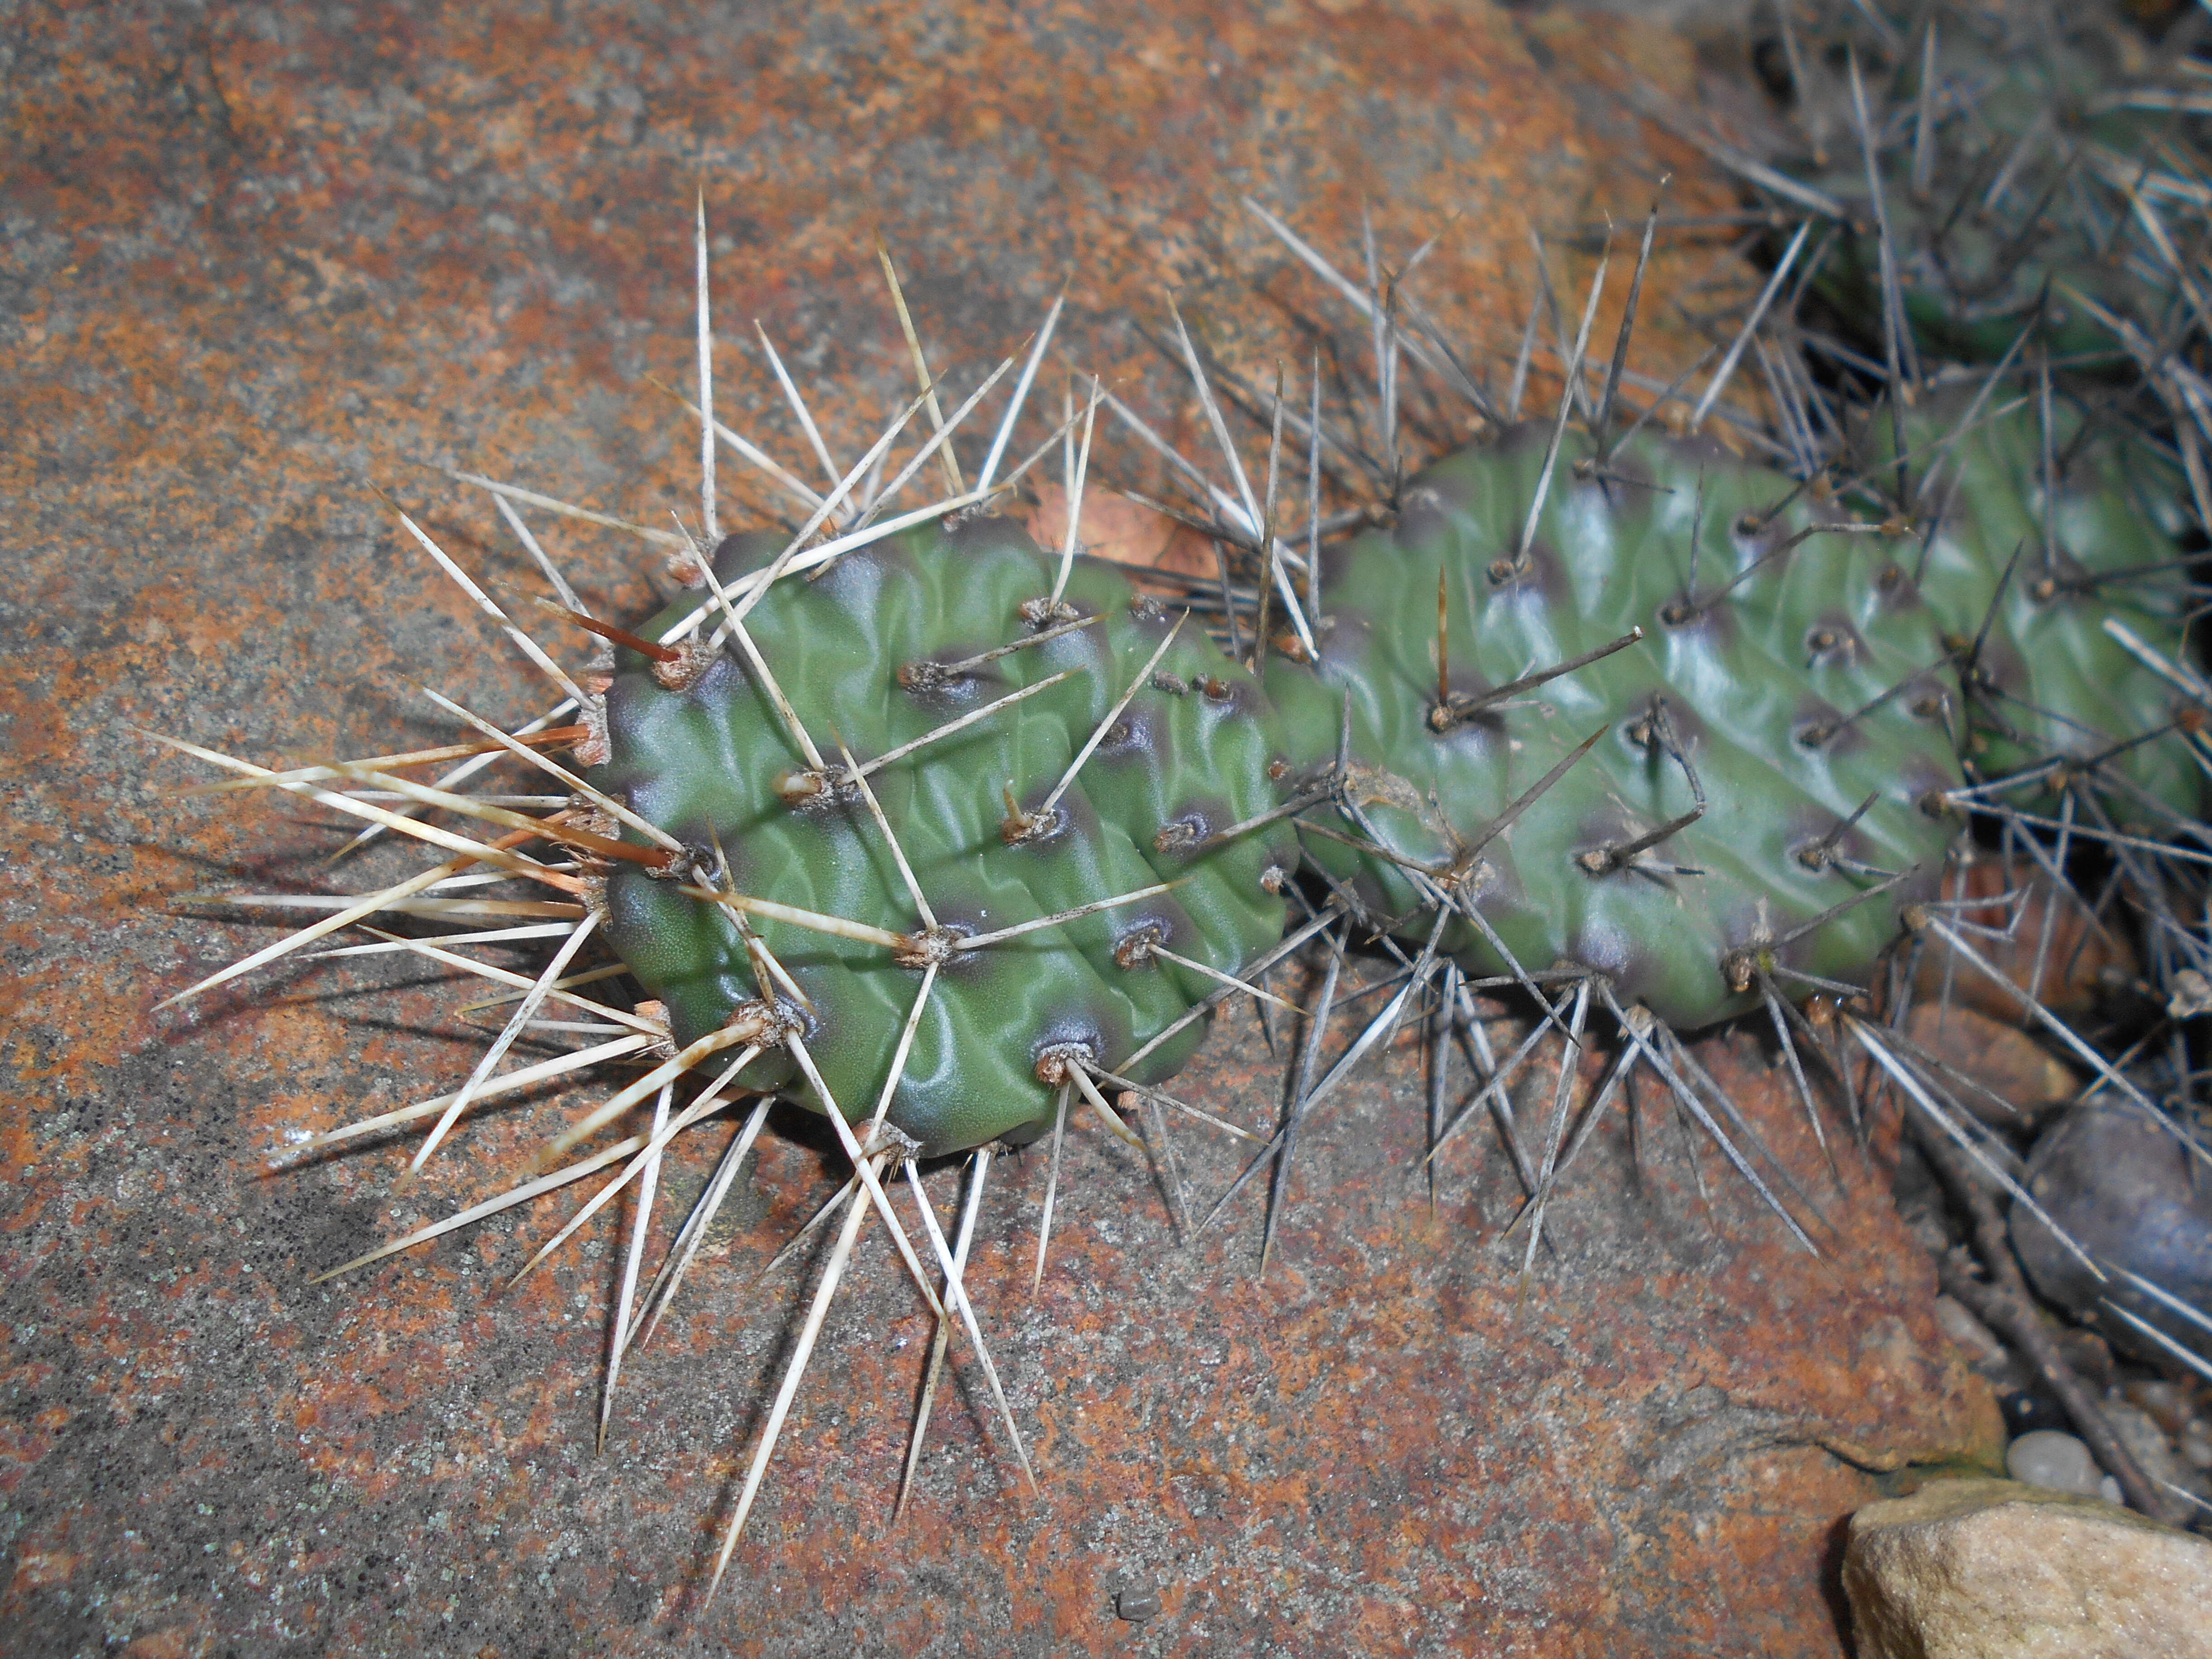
{"x":2042,"y":530}
{"x":2007,"y":162}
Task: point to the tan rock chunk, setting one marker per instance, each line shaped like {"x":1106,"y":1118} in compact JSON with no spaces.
{"x":1112,"y":526}
{"x":1996,"y":1570}
{"x":2002,"y":1059}
{"x":2051,"y":943}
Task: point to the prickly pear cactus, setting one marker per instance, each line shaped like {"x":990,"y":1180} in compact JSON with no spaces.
{"x":2027,"y":159}
{"x":1744,"y":767}
{"x":935,"y":831}
{"x":877,"y":652}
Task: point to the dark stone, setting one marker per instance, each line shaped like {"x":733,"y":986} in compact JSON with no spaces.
{"x":2129,"y":1193}
{"x":2025,"y":1411}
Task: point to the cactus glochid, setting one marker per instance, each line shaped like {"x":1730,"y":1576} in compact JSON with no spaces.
{"x":950,"y":837}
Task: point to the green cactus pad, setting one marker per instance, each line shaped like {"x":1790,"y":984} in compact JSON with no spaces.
{"x":1805,"y":664}
{"x":2050,"y":680}
{"x":1189,"y":754}
{"x":1747,"y":678}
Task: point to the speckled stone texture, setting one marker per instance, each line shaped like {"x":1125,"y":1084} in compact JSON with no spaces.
{"x":1995,"y":1569}
{"x":257,"y":259}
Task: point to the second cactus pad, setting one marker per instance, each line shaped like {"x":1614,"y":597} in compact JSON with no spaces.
{"x":2043,"y":539}
{"x":1777,"y":741}
{"x":2042,"y":165}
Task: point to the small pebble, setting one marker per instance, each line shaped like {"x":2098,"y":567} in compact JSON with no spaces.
{"x":2002,"y":1059}
{"x":2049,"y":1458}
{"x":2124,"y":1189}
{"x":2159,"y":1400}
{"x":1137,"y":1605}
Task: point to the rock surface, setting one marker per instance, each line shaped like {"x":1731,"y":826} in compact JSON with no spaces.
{"x":2049,"y":942}
{"x":257,"y":260}
{"x":1993,"y":1570}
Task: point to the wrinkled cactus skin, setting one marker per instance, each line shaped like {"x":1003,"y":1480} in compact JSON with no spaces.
{"x":1761,"y":657}
{"x":1747,"y":679}
{"x":2058,"y":682}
